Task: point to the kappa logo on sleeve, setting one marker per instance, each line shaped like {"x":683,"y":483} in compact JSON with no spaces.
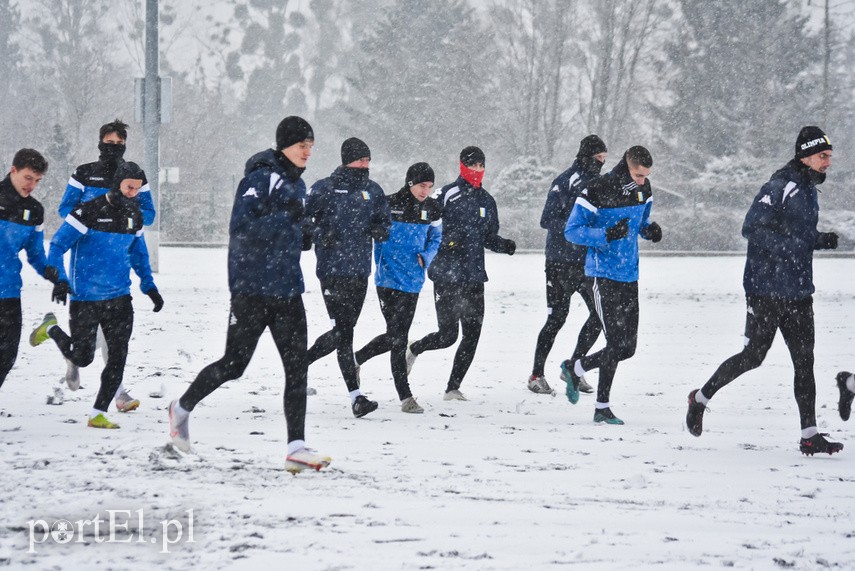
{"x":251,"y":192}
{"x":766,"y":200}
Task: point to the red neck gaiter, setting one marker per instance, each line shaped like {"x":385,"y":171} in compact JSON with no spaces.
{"x":471,"y":176}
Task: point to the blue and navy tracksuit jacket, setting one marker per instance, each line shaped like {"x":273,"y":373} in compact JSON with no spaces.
{"x":416,"y":232}
{"x":470,"y":223}
{"x":344,"y":212}
{"x":94,"y":179}
{"x":602,"y":204}
{"x":265,"y":232}
{"x":781,"y":230}
{"x":559,"y":204}
{"x":106,"y":241}
{"x":21,"y":221}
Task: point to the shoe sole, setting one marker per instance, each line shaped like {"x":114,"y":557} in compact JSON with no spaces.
{"x":369,"y":411}
{"x":132,"y":405}
{"x":295,"y":466}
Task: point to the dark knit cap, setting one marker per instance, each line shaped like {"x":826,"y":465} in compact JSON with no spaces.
{"x":127,"y":170}
{"x":472,"y":155}
{"x":590,"y":146}
{"x":811,"y":140}
{"x":418,"y":173}
{"x":354,"y":149}
{"x":293,"y":130}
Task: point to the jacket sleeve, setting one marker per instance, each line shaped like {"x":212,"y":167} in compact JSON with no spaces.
{"x":62,"y":241}
{"x":645,"y":218}
{"x":580,"y":226}
{"x":140,"y":263}
{"x":492,"y":240}
{"x":553,"y":211}
{"x":72,"y":196}
{"x":313,"y":219}
{"x":251,"y":200}
{"x":434,"y":238}
{"x":146,"y":204}
{"x":763,"y":225}
{"x":381,"y":217}
{"x":35,"y":248}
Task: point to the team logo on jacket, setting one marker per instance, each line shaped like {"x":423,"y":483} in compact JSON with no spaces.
{"x":130,"y":223}
{"x":424,"y":215}
{"x":26,"y":214}
{"x":640,"y":196}
{"x":365,"y":195}
{"x":482,"y":211}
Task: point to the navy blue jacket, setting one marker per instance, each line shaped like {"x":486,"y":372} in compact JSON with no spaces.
{"x":344,"y":212}
{"x":415,"y":234}
{"x":21,"y":221}
{"x":265,"y":234}
{"x":559,"y":204}
{"x":470,"y":223}
{"x":95,"y":179}
{"x":106,"y":241}
{"x":781,"y":230}
{"x":602,"y":204}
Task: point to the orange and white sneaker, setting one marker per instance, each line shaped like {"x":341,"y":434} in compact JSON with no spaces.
{"x":125,"y":402}
{"x":306,"y":458}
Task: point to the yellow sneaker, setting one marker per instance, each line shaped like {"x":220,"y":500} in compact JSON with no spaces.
{"x":101,"y":421}
{"x":40,"y":334}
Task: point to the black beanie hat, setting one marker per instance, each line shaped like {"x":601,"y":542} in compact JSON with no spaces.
{"x":124,"y":171}
{"x":472,"y":155}
{"x":590,"y":146}
{"x":292,"y":130}
{"x":354,"y":149}
{"x":419,"y":173}
{"x":811,"y":140}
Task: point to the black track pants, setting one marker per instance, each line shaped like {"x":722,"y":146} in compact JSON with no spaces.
{"x":399,"y":308}
{"x":765,"y":315}
{"x":248,"y":318}
{"x":617,"y":306}
{"x":458,"y":306}
{"x":344,"y":297}
{"x":116,"y":318}
{"x":562,"y":281}
{"x":10,"y":334}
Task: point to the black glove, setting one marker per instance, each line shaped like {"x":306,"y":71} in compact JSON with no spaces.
{"x":60,"y":292}
{"x":379,"y":233}
{"x":510,"y":247}
{"x":824,"y":241}
{"x":52,"y":274}
{"x":653,"y":232}
{"x":618,"y":231}
{"x":157,"y":299}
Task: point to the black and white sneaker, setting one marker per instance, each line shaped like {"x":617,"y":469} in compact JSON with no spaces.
{"x":844,"y":405}
{"x":362,"y":406}
{"x":817,"y":444}
{"x":695,"y":415}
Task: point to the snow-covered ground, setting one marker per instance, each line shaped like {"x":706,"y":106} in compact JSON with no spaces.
{"x":508,"y":480}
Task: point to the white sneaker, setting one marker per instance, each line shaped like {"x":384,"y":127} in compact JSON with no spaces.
{"x":411,"y":359}
{"x":179,"y":429}
{"x":125,"y":402}
{"x":410,"y":405}
{"x":72,"y":375}
{"x":454,"y":395}
{"x":306,"y":458}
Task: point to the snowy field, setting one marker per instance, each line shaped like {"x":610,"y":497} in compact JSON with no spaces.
{"x":508,"y":480}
